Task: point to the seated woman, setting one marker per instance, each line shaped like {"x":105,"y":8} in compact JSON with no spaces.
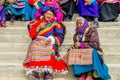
{"x":18,"y":8}
{"x":109,"y":10}
{"x":2,"y":14}
{"x":87,"y":37}
{"x":35,"y":6}
{"x":43,"y":56}
{"x":52,"y":3}
{"x":89,"y":8}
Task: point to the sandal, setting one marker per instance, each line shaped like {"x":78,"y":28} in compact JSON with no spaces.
{"x":82,"y":77}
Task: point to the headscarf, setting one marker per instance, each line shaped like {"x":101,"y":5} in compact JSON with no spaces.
{"x":83,"y":28}
{"x":44,"y":9}
{"x":56,"y":10}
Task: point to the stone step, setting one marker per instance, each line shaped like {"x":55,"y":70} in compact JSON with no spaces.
{"x":68,"y":39}
{"x":25,"y":23}
{"x":18,"y":57}
{"x":16,"y":71}
{"x":70,"y":31}
{"x":22,"y":47}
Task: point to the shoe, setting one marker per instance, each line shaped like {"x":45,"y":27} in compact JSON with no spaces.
{"x":98,"y":78}
{"x":34,"y":76}
{"x":89,"y":78}
{"x":96,"y":24}
{"x":47,"y":76}
{"x":0,"y":24}
{"x":12,"y":18}
{"x":83,"y":77}
{"x":67,"y":19}
{"x":3,"y":24}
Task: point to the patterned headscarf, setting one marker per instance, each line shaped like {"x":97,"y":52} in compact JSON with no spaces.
{"x":83,"y":28}
{"x":44,"y":9}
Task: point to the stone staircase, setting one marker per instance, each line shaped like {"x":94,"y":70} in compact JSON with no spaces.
{"x":14,"y":42}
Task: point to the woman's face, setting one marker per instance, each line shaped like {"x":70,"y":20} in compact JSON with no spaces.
{"x":48,"y":15}
{"x":79,"y":24}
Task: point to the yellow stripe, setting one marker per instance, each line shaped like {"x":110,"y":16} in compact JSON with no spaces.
{"x":49,"y":28}
{"x":85,"y":33}
{"x":58,"y":41}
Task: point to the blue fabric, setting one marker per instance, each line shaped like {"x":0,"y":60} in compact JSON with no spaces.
{"x":24,"y":11}
{"x":91,"y":1}
{"x":97,"y":65}
{"x":89,"y":10}
{"x":34,"y":10}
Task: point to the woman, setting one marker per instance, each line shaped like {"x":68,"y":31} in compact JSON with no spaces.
{"x":109,"y":10}
{"x":2,"y":14}
{"x":43,"y":56}
{"x":87,"y":37}
{"x":89,"y":8}
{"x":35,"y":6}
{"x":68,"y":7}
{"x":52,"y":3}
{"x":18,"y":8}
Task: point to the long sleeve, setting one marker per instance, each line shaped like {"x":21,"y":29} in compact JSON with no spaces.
{"x":59,"y":34}
{"x":31,"y":2}
{"x":32,"y":29}
{"x":93,"y":40}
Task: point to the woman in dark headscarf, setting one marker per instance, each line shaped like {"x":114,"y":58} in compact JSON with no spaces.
{"x":109,"y":10}
{"x":43,"y":56}
{"x":87,"y":37}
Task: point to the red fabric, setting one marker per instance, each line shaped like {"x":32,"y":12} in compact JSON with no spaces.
{"x":53,"y":62}
{"x":31,"y":2}
{"x":100,"y":1}
{"x":32,"y":31}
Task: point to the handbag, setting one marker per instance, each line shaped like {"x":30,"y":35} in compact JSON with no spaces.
{"x":78,"y":56}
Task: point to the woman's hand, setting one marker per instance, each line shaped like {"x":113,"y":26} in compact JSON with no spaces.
{"x":48,"y":41}
{"x":37,"y":7}
{"x":41,"y":26}
{"x":77,"y":44}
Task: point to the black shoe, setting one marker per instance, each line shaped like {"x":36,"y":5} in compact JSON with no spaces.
{"x":34,"y":76}
{"x":47,"y":76}
{"x":98,"y":78}
{"x":12,"y":18}
{"x":96,"y":24}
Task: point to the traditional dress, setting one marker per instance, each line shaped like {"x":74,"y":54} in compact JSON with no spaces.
{"x":2,"y":14}
{"x":88,"y":38}
{"x":88,"y":10}
{"x":109,"y":10}
{"x":33,"y":9}
{"x":43,"y":58}
{"x":20,"y":8}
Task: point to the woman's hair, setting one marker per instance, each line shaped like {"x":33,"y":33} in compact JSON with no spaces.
{"x":80,"y":18}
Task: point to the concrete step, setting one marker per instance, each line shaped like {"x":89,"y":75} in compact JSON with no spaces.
{"x":22,"y":47}
{"x":68,"y":39}
{"x":18,"y":57}
{"x":69,"y":26}
{"x":25,"y":23}
{"x":16,"y":71}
